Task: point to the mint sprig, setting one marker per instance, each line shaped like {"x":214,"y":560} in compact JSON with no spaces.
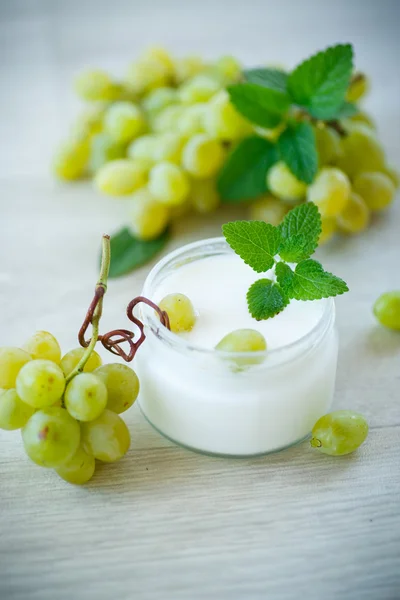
{"x":265,"y":247}
{"x":296,"y":102}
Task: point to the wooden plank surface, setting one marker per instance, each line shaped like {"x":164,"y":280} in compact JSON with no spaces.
{"x":165,"y":523}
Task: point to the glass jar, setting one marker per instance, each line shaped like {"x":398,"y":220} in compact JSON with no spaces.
{"x":200,"y":399}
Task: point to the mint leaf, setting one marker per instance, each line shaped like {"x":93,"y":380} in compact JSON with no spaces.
{"x":243,"y":175}
{"x":270,"y":78}
{"x":311,"y":282}
{"x":348,"y":109}
{"x":265,"y":299}
{"x":300,"y":230}
{"x":127,"y":252}
{"x":298,"y":150}
{"x":255,"y":242}
{"x":261,"y":105}
{"x":284,"y":276}
{"x":319,"y":84}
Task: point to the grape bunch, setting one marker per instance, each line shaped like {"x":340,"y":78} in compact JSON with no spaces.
{"x":159,"y":137}
{"x":68,"y":412}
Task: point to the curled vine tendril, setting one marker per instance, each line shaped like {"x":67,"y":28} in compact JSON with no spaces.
{"x":113,"y":340}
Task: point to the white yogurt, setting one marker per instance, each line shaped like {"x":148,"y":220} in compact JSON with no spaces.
{"x":217,"y":287}
{"x":196,"y":396}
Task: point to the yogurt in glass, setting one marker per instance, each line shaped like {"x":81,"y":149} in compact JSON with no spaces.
{"x":198,"y":396}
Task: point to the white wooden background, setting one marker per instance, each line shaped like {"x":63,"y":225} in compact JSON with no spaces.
{"x":165,"y":523}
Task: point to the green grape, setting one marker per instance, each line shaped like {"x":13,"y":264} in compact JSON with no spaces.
{"x":71,"y":159}
{"x":78,"y":469}
{"x":169,"y":147}
{"x":376,"y":189}
{"x":330,"y":191}
{"x":242,"y":340}
{"x":268,"y":209}
{"x":124,"y":121}
{"x":222,"y":121}
{"x":40,"y":383}
{"x":229,"y":68}
{"x":340,"y":432}
{"x":159,"y":99}
{"x":70,"y":360}
{"x":144,"y":148}
{"x":107,"y":437}
{"x":169,"y":184}
{"x":90,"y":121}
{"x":96,"y":85}
{"x":148,"y":217}
{"x":14,"y":413}
{"x":11,"y":362}
{"x":122,"y":386}
{"x":85,"y":397}
{"x":361,"y":151}
{"x":188,"y":67}
{"x":328,"y":230}
{"x":393,"y":175}
{"x":191,"y":120}
{"x":386,"y":310}
{"x":355,"y":216}
{"x":204,"y":197}
{"x":180,"y":312}
{"x":158,"y":54}
{"x":202,"y":156}
{"x":168,"y":119}
{"x":43,"y":345}
{"x":283,"y":184}
{"x":103,"y":149}
{"x":51,"y":437}
{"x":199,"y":88}
{"x":146,"y":75}
{"x":358,"y":87}
{"x":121,"y":177}
{"x":328,"y":145}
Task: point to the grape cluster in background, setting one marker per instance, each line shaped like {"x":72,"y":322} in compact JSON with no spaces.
{"x":68,"y":421}
{"x":163,"y":136}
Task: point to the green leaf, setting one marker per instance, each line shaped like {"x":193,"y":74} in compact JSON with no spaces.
{"x":298,"y":150}
{"x":300,"y":230}
{"x":265,"y":299}
{"x":127,"y":252}
{"x":243,"y":175}
{"x":348,"y":109}
{"x":319,"y":84}
{"x":261,"y":105}
{"x":269,"y":78}
{"x":255,"y":242}
{"x":311,"y":282}
{"x":284,"y":276}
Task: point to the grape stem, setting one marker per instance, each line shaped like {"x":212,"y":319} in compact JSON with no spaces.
{"x":95,"y":315}
{"x":315,"y":443}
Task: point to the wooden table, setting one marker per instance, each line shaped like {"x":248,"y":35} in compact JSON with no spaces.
{"x":165,"y":523}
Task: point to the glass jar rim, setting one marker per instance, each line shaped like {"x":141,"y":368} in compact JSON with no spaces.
{"x":182,"y":345}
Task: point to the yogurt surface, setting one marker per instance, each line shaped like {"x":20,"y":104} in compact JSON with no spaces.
{"x":217,"y":287}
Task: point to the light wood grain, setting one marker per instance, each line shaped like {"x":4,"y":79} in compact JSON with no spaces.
{"x":165,"y":523}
